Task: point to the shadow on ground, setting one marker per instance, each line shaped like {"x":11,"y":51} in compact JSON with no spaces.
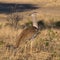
{"x":56,"y":24}
{"x":42,"y":25}
{"x":13,"y":7}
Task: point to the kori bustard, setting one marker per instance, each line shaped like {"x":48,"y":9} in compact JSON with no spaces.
{"x":28,"y":33}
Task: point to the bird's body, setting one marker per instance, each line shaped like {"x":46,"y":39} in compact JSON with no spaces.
{"x":26,"y":35}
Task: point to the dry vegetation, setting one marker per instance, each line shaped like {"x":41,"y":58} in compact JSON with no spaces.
{"x":46,"y":46}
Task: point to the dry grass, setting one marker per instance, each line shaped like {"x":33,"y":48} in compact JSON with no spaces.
{"x":32,"y":1}
{"x":45,"y":3}
{"x":46,"y":46}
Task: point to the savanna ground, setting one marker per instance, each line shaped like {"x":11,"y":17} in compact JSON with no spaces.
{"x":46,"y":45}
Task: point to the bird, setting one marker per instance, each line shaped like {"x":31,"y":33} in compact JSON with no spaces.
{"x":28,"y":33}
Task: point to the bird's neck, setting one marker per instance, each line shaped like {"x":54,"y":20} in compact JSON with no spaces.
{"x":34,"y":20}
{"x":35,"y":25}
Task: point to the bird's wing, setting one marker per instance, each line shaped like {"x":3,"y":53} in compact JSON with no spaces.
{"x":26,"y":35}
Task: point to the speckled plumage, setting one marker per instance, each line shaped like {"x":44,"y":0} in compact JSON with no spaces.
{"x":26,"y":35}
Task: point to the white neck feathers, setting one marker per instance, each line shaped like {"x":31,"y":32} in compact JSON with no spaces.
{"x":34,"y":20}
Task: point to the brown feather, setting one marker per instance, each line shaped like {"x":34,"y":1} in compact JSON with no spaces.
{"x":26,"y":35}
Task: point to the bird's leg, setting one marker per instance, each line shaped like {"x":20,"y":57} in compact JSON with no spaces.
{"x":25,"y":48}
{"x":31,"y":46}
